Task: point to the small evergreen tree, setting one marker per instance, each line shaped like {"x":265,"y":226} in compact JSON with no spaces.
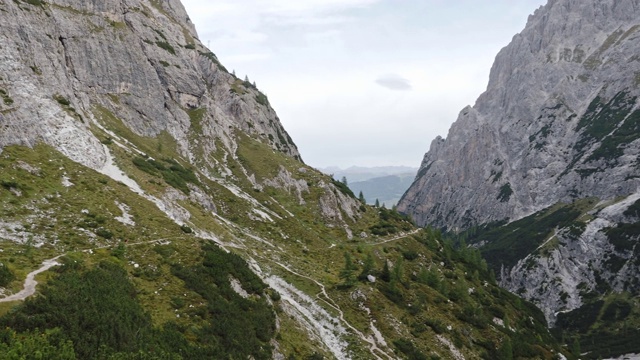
{"x":367,"y":268}
{"x":386,"y":272}
{"x":344,"y":180}
{"x":377,"y":203}
{"x":347,"y":273}
{"x":361,"y":198}
{"x":506,"y":350}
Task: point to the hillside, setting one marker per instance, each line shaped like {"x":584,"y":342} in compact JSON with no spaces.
{"x":166,"y":214}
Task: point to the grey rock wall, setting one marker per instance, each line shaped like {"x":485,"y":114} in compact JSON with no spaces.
{"x":138,"y":59}
{"x":557,"y":122}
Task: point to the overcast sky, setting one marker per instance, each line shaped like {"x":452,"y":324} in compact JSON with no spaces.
{"x":362,"y":82}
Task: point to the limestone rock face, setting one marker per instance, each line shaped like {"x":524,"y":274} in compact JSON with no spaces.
{"x":66,"y":63}
{"x":559,"y":120}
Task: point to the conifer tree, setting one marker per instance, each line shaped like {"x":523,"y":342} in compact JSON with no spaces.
{"x":347,"y":272}
{"x":361,"y":198}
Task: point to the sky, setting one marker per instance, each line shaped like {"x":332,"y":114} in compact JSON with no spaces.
{"x":362,"y":82}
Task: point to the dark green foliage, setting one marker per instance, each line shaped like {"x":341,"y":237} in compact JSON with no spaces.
{"x":165,"y":45}
{"x":34,"y":2}
{"x":406,"y":347}
{"x":505,"y":193}
{"x":410,"y":255}
{"x":171,"y":171}
{"x":347,"y":273}
{"x":93,"y":309}
{"x":104,"y":233}
{"x":62,"y":100}
{"x":214,"y":59}
{"x":6,"y":275}
{"x":367,"y":268}
{"x":98,"y":316}
{"x":625,"y":236}
{"x":238,"y":327}
{"x":505,"y":352}
{"x":613,"y":145}
{"x":391,"y":222}
{"x":5,"y":97}
{"x":262,"y":99}
{"x":507,"y":244}
{"x":580,"y":319}
{"x":49,"y":345}
{"x":342,"y":187}
{"x":633,"y":210}
{"x":600,"y":120}
{"x":186,"y":229}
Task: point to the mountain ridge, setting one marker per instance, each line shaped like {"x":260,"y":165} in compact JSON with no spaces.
{"x":188,"y":223}
{"x":550,"y":70}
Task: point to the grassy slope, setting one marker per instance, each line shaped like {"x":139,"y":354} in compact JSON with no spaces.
{"x":427,"y":293}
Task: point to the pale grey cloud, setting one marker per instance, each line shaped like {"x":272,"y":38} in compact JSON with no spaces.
{"x":394,"y":82}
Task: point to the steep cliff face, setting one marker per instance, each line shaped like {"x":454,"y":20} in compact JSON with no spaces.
{"x":67,"y":63}
{"x":543,"y":171}
{"x":559,"y":121}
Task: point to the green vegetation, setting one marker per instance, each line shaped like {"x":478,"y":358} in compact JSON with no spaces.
{"x":505,"y":193}
{"x":95,"y":313}
{"x":600,"y":120}
{"x":171,"y":171}
{"x":5,"y":97}
{"x":391,"y":222}
{"x":214,"y":59}
{"x":34,"y":2}
{"x":507,"y":244}
{"x":66,"y":106}
{"x":612,"y":146}
{"x":6,"y":275}
{"x":165,"y":45}
{"x":603,"y":328}
{"x":262,"y":99}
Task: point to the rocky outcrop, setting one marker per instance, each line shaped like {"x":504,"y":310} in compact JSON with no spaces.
{"x":559,"y":121}
{"x":67,"y":63}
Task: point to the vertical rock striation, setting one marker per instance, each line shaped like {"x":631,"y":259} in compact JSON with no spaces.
{"x":559,"y":121}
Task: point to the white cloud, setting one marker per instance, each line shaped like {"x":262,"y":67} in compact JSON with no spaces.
{"x":394,"y":82}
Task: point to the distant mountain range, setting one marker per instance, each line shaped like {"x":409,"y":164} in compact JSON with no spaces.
{"x":360,"y":173}
{"x":386,"y":184}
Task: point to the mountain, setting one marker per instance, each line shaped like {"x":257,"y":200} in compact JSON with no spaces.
{"x":165,"y":213}
{"x":363,"y":173}
{"x":386,"y":189}
{"x":543,"y":171}
{"x":558,"y":122}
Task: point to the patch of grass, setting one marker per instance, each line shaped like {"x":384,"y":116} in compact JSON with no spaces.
{"x":165,"y":45}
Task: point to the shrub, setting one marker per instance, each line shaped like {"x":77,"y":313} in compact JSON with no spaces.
{"x":165,"y":45}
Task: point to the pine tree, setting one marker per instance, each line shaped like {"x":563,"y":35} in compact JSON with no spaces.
{"x":344,"y":180}
{"x":506,"y":350}
{"x":386,"y":272}
{"x":361,"y":198}
{"x":377,"y":203}
{"x":347,"y":273}
{"x":367,"y":268}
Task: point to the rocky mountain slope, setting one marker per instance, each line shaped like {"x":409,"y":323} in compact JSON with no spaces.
{"x":543,"y":171}
{"x":559,"y":121}
{"x":166,"y":214}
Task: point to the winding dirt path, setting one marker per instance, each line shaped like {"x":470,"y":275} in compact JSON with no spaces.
{"x":30,"y":282}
